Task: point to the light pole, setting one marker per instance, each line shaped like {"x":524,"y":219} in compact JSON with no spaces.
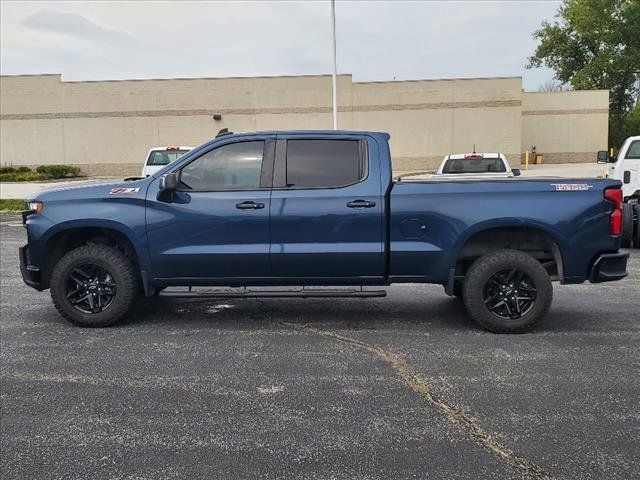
{"x":335,"y":65}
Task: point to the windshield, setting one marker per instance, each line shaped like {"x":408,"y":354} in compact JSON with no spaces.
{"x":474,"y":165}
{"x":164,"y":157}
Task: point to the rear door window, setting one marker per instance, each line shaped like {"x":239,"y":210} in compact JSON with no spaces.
{"x":324,"y":163}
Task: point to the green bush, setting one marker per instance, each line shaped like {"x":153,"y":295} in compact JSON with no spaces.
{"x":58,"y":171}
{"x":23,"y":169}
{"x":21,"y":177}
{"x":7,"y":170}
{"x":11,"y":206}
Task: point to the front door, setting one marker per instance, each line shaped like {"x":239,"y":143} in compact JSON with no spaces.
{"x":326,"y":211}
{"x":217,"y":224}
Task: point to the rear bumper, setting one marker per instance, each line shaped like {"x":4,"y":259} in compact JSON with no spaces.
{"x":30,"y":273}
{"x":609,"y":267}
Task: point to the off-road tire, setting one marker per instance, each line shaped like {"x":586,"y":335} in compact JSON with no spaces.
{"x":488,"y":265}
{"x":636,"y":231}
{"x":122,"y":271}
{"x":626,"y":238}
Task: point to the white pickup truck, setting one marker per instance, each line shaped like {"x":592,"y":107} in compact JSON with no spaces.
{"x":483,"y":165}
{"x":159,"y":157}
{"x":626,"y":168}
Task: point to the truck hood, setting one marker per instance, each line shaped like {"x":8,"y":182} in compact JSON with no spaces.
{"x":92,"y":189}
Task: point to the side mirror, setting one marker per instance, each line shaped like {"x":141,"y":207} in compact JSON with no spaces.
{"x":167,"y":186}
{"x":169,"y":182}
{"x":516,"y":172}
{"x":603,"y":156}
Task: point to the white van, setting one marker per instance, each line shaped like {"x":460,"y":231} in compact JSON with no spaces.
{"x":626,"y":168}
{"x":159,"y":157}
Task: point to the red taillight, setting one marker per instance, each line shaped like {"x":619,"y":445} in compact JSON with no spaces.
{"x":172,"y":148}
{"x":614,"y":195}
{"x":473,"y":155}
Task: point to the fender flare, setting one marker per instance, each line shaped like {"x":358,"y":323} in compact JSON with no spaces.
{"x":135,"y":239}
{"x":500,"y":223}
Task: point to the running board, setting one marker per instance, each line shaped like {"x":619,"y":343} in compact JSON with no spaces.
{"x":198,"y":292}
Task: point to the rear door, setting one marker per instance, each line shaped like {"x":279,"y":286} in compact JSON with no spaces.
{"x":217,"y":225}
{"x":326,"y":210}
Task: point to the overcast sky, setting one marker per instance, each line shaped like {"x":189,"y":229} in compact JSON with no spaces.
{"x":376,"y":40}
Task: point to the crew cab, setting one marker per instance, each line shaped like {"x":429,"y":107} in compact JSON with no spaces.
{"x":160,"y":157}
{"x":320,"y":208}
{"x":493,"y":165}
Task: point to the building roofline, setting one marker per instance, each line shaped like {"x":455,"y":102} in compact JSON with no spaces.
{"x":443,"y":79}
{"x":11,"y":75}
{"x":569,"y":91}
{"x":261,"y":77}
{"x":172,"y":78}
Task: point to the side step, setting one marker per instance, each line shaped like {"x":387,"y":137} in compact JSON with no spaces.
{"x":200,"y":292}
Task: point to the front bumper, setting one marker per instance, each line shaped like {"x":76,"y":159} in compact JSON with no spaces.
{"x":609,"y":267}
{"x":30,"y":273}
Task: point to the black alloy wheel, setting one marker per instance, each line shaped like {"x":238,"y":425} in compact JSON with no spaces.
{"x":507,"y":291}
{"x":90,"y":288}
{"x":510,"y":294}
{"x":94,"y":285}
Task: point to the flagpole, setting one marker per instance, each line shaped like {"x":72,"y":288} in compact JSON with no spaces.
{"x":335,"y":65}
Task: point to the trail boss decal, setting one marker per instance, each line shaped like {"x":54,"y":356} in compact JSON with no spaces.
{"x":123,"y":191}
{"x":571,"y":187}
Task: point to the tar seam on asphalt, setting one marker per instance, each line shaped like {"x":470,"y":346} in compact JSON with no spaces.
{"x":526,"y":467}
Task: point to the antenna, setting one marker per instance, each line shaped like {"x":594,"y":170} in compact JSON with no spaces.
{"x":223,"y":132}
{"x":474,"y":148}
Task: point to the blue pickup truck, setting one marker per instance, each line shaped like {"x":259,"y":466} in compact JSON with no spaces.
{"x":316,"y":209}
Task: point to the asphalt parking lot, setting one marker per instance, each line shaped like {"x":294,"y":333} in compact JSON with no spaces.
{"x":397,"y":387}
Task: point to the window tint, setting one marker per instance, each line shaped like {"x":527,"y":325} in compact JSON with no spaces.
{"x":231,"y":167}
{"x":634,"y":150}
{"x":474,"y":165}
{"x":324,"y":163}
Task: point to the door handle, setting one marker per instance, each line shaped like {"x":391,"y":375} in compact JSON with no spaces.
{"x":361,"y":204}
{"x":249,"y":205}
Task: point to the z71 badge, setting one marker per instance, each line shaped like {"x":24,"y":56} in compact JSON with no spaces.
{"x":571,"y":187}
{"x":124,"y":191}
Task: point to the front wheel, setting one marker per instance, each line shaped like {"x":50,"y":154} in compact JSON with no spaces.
{"x":507,"y":291}
{"x":93,"y":286}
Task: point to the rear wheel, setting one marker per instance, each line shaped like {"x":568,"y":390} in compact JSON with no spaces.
{"x":93,"y":286}
{"x":626,"y":239}
{"x":507,"y":291}
{"x":636,"y":231}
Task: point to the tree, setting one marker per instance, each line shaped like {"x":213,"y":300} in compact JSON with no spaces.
{"x":552,"y":86}
{"x":595,"y":44}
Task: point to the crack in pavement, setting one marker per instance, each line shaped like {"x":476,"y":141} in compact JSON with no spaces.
{"x":523,"y":465}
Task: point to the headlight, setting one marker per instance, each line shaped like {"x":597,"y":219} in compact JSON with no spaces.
{"x":35,"y":206}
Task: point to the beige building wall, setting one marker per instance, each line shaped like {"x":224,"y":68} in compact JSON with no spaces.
{"x":566,"y":126}
{"x":107,"y":127}
{"x":428,"y":119}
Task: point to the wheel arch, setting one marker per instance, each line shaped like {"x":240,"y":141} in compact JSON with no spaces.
{"x":70,"y":235}
{"x":538,"y":240}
